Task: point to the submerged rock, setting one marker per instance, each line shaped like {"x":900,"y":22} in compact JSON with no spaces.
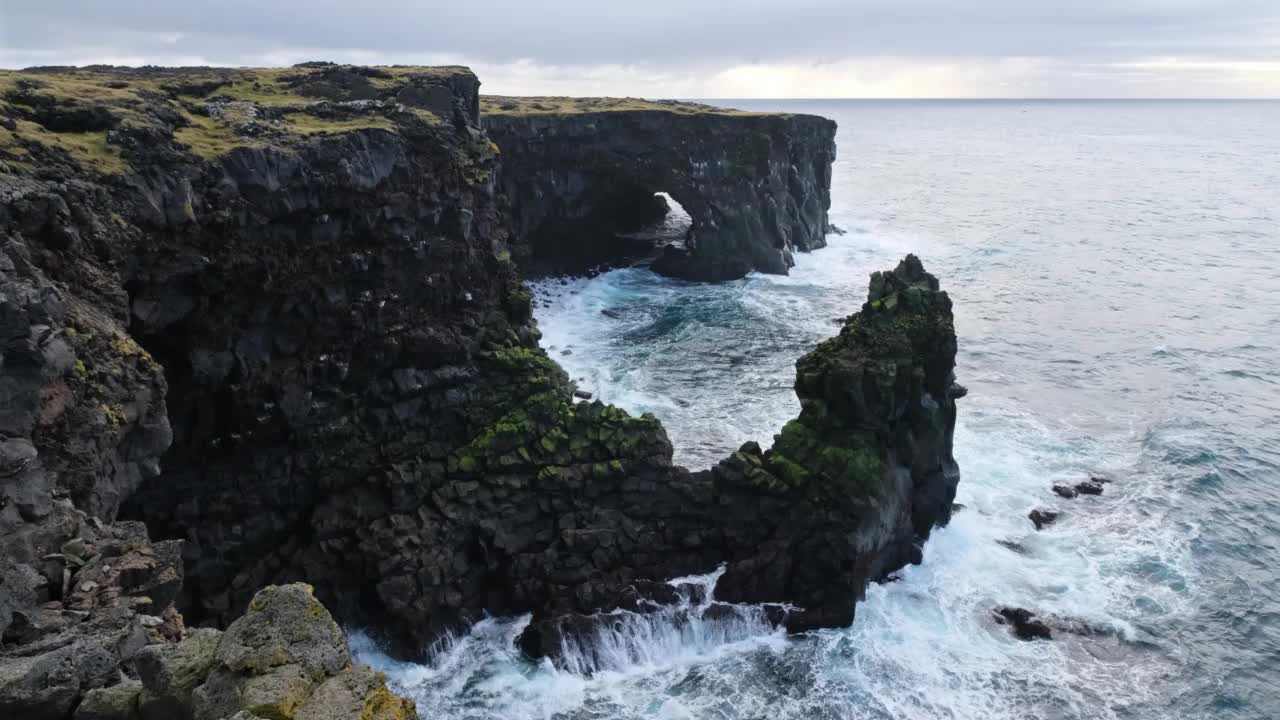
{"x":1012,"y":546}
{"x":1043,"y":518}
{"x":1024,"y":623}
{"x":1088,"y":488}
{"x":1081,"y":488}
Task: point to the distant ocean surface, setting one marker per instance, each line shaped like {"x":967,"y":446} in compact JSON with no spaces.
{"x":1115,"y":269}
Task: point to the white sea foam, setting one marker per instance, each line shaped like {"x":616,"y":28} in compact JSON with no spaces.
{"x":922,"y":647}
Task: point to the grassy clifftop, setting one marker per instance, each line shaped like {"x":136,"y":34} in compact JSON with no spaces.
{"x":513,"y":105}
{"x":89,"y":115}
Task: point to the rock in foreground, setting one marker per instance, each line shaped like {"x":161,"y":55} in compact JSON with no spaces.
{"x":286,"y":659}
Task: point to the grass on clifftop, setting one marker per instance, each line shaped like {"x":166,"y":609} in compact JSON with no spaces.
{"x":71,"y":111}
{"x":511,"y":105}
{"x":88,"y":148}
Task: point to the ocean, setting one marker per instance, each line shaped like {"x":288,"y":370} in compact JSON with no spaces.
{"x":1115,"y":270}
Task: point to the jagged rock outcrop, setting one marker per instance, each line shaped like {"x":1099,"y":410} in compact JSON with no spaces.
{"x":579,"y":172}
{"x":321,"y":293}
{"x":287,"y":658}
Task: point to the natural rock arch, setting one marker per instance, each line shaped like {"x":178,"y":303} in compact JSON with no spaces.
{"x":755,"y":186}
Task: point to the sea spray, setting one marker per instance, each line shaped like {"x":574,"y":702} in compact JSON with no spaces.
{"x":481,"y":673}
{"x":657,"y":635}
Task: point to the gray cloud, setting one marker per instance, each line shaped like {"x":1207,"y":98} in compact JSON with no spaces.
{"x":664,"y":36}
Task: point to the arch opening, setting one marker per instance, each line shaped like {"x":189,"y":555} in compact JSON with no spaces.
{"x":624,"y":227}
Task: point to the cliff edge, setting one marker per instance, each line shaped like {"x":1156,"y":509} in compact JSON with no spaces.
{"x":582,"y":172}
{"x":274,"y":318}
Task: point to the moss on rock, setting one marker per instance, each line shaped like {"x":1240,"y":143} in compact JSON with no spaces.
{"x":286,"y":659}
{"x":93,"y":116}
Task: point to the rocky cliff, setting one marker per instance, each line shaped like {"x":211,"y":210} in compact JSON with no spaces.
{"x":581,"y":173}
{"x":274,"y":315}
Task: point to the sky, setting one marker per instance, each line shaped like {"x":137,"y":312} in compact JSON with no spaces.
{"x":698,"y":48}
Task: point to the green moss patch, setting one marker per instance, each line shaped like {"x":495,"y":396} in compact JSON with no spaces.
{"x":89,"y":149}
{"x":205,"y":110}
{"x":851,"y":459}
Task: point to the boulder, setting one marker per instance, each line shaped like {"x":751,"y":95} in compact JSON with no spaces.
{"x":48,"y":686}
{"x":171,"y":672}
{"x":117,"y":702}
{"x":356,"y":692}
{"x":1012,"y":546}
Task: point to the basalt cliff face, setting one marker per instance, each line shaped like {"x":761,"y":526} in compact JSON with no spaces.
{"x":272,"y":321}
{"x":580,"y":173}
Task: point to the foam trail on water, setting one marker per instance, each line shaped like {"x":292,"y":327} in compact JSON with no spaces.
{"x":695,"y":625}
{"x":707,"y":360}
{"x":481,"y":673}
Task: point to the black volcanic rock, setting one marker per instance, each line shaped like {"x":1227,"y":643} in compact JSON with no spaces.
{"x":756,"y":185}
{"x":1024,"y":623}
{"x":1088,"y":488}
{"x":1043,"y":518}
{"x":1012,"y":546}
{"x":289,"y":336}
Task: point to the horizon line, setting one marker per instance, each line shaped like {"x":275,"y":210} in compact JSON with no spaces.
{"x":992,"y":98}
{"x":986,"y":98}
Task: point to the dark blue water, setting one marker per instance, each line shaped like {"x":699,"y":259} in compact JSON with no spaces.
{"x":1115,"y":268}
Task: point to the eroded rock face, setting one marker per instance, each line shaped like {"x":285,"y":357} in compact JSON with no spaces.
{"x":111,"y":598}
{"x":757,"y":186}
{"x":106,"y":232}
{"x":357,"y":398}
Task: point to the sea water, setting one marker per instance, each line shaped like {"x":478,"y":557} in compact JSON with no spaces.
{"x":1115,"y":269}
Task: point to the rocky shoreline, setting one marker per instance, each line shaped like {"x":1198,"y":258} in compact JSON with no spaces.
{"x":268,"y":326}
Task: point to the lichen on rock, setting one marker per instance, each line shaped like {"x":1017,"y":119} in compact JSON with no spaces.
{"x":287,"y":660}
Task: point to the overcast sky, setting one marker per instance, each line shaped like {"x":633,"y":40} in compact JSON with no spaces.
{"x":693,"y":48}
